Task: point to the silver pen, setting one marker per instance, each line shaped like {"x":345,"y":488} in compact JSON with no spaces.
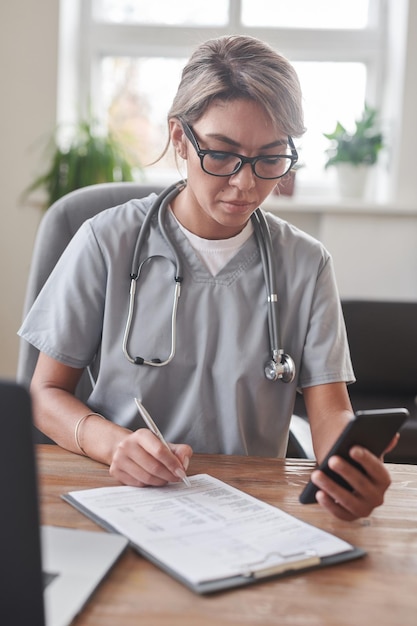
{"x":155,"y":430}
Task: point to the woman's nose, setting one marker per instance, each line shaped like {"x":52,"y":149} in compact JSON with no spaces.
{"x":244,"y":179}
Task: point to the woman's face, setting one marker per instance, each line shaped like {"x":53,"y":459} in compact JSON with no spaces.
{"x":219,"y":207}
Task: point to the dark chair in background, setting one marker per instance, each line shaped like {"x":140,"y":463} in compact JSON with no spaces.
{"x":383,"y":344}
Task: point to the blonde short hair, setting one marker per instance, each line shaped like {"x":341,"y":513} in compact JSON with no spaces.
{"x":240,"y":67}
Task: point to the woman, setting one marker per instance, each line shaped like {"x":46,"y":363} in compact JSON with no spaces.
{"x":232,"y":121}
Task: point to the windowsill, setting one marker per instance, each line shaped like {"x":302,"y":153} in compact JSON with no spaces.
{"x":307,"y":199}
{"x":334,"y":205}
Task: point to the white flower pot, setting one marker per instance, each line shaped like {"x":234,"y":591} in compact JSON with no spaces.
{"x":352,"y":179}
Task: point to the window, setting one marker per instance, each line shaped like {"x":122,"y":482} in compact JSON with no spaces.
{"x":132,"y":53}
{"x":320,"y":14}
{"x":162,"y":12}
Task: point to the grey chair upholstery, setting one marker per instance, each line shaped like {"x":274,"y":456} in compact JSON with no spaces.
{"x":383,"y":344}
{"x":57,"y":228}
{"x":59,"y":224}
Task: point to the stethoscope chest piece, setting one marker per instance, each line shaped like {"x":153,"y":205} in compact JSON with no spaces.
{"x":283,"y":369}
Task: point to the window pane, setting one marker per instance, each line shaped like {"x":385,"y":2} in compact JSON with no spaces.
{"x":306,"y":13}
{"x":135,"y":103}
{"x":332,"y":92}
{"x":167,"y":12}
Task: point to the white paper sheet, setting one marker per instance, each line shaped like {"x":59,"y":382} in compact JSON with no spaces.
{"x":208,"y":531}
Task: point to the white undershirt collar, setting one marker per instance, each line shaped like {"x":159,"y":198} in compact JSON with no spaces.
{"x":216,"y":253}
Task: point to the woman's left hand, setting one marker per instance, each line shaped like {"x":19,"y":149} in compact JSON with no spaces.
{"x":368,"y":489}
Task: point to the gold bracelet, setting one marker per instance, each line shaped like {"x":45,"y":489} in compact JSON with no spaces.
{"x":77,"y":430}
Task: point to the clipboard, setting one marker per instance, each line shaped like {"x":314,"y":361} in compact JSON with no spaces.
{"x":242,"y":580}
{"x":211,"y":537}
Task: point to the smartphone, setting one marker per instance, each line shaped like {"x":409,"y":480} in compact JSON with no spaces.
{"x":371,"y":429}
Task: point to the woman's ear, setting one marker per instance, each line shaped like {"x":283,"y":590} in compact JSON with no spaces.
{"x":178,"y":138}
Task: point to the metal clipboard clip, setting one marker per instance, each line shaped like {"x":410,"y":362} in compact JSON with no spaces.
{"x":288,"y":562}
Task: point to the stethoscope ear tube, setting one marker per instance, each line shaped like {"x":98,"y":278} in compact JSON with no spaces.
{"x":138,"y":360}
{"x":162,"y":201}
{"x":159,"y":206}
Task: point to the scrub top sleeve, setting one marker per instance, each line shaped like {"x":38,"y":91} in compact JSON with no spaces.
{"x":326,"y":356}
{"x":66,"y":320}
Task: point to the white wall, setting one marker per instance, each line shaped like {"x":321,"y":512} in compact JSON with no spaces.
{"x":28,"y":64}
{"x":374,"y":248}
{"x":375,"y":254}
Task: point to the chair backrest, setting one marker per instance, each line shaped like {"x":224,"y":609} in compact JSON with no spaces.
{"x":59,"y":224}
{"x":383,"y":344}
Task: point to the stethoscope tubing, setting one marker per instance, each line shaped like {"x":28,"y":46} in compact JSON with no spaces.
{"x":161,"y":202}
{"x":264,"y":239}
{"x":159,"y":206}
{"x":281,"y":363}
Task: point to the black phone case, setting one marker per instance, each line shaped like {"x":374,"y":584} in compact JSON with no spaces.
{"x":370,"y":429}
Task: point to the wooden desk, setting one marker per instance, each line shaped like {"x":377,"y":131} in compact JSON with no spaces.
{"x":378,"y":590}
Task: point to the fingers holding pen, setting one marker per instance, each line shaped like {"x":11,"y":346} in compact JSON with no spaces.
{"x":141,"y":459}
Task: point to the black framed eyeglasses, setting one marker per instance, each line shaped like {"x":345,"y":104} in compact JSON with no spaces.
{"x":220,"y":163}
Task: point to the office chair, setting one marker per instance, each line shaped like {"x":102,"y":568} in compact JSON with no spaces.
{"x":59,"y":224}
{"x":382,"y":338}
{"x":383,"y":345}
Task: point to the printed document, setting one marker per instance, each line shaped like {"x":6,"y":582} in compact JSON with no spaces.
{"x":208,"y":531}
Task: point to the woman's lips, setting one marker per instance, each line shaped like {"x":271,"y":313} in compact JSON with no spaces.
{"x":238,"y":206}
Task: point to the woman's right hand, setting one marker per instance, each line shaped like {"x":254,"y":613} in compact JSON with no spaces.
{"x":142,"y":460}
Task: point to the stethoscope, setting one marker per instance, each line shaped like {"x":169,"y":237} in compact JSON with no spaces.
{"x":280,"y":365}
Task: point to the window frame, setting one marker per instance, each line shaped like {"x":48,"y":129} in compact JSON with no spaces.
{"x":91,"y":40}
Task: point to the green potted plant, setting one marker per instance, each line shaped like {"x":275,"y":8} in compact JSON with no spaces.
{"x":354,"y":153}
{"x":90,"y":156}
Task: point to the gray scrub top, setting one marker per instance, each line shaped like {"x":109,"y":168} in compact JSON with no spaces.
{"x":214,"y":394}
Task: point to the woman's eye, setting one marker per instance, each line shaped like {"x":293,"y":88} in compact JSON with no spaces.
{"x":272,"y":160}
{"x":220,"y":156}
